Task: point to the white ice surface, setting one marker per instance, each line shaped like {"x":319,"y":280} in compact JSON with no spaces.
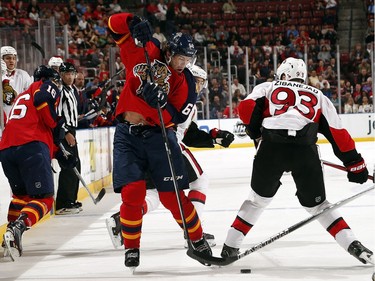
{"x":78,"y":247}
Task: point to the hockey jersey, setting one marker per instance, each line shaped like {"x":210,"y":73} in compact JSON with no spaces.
{"x":288,"y":105}
{"x":180,"y":87}
{"x":32,"y":117}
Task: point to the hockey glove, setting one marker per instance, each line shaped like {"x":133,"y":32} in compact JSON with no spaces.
{"x":66,"y":162}
{"x":357,"y":171}
{"x":223,"y":138}
{"x":58,"y":133}
{"x":153,"y":95}
{"x":140,"y":30}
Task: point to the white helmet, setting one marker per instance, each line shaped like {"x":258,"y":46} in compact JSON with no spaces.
{"x":292,"y":68}
{"x":199,"y":72}
{"x":55,"y":61}
{"x":7,"y":50}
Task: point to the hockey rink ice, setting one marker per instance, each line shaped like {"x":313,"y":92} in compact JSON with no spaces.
{"x":78,"y":247}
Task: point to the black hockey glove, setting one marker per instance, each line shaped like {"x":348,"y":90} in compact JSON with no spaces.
{"x":153,"y":95}
{"x":357,"y":171}
{"x":223,"y":138}
{"x":66,"y":162}
{"x":140,"y":30}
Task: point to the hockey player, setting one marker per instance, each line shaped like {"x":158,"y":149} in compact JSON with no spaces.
{"x":284,"y":117}
{"x":138,"y":141}
{"x":26,"y":157}
{"x":55,"y":62}
{"x":17,"y":79}
{"x":188,"y":134}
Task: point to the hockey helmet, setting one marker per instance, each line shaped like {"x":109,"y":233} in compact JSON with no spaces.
{"x":181,"y":44}
{"x":199,"y":72}
{"x":55,"y":62}
{"x":46,"y":73}
{"x":7,"y":50}
{"x":67,"y":67}
{"x":292,"y":68}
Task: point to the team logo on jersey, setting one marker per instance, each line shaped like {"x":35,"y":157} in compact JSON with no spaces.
{"x":160,"y":73}
{"x":239,"y":129}
{"x":9,"y":94}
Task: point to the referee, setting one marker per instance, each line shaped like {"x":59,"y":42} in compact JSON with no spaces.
{"x":66,"y":198}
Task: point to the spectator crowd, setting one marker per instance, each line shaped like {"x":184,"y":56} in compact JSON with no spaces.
{"x":234,"y":28}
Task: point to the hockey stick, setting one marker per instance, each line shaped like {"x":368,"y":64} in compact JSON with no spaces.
{"x":39,"y":48}
{"x":101,"y":192}
{"x":170,"y":162}
{"x":342,"y":168}
{"x":227,"y":261}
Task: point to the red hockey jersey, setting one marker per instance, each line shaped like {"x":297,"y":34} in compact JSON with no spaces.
{"x":32,"y":117}
{"x":179,"y":87}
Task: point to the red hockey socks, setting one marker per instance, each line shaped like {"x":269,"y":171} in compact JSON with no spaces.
{"x":133,"y":196}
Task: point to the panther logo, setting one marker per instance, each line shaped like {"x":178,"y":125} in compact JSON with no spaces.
{"x":160,"y":73}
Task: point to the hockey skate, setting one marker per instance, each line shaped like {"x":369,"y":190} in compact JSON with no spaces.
{"x":132,"y":259}
{"x":114,"y":230}
{"x":12,"y":239}
{"x":229,"y":252}
{"x":210,"y":238}
{"x":69,"y":209}
{"x":202,"y":247}
{"x":360,"y":252}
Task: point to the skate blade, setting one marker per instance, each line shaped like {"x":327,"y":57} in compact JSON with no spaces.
{"x":115,"y":240}
{"x":10,"y":251}
{"x":132,"y":269}
{"x":368,"y":258}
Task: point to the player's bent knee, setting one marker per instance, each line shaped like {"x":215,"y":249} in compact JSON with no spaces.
{"x":314,"y":210}
{"x":259,"y":201}
{"x":200,"y":184}
{"x":134,"y":193}
{"x":152,"y":200}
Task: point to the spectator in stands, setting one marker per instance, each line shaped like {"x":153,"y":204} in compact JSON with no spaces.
{"x":255,"y":20}
{"x":326,"y":90}
{"x":362,"y":76}
{"x":236,"y":53}
{"x":357,"y":54}
{"x":226,"y":112}
{"x":237,"y":85}
{"x":114,"y":7}
{"x":216,"y":108}
{"x":222,"y":36}
{"x":94,"y":83}
{"x":209,"y":20}
{"x":184,"y":9}
{"x":329,"y":74}
{"x":367,"y":87}
{"x":313,"y":78}
{"x":320,"y":68}
{"x":292,"y":30}
{"x":269,"y":20}
{"x":350,"y":106}
{"x":283,"y":19}
{"x":334,"y":99}
{"x":365,"y":106}
{"x":357,"y":92}
{"x":229,"y":7}
{"x":199,"y":37}
{"x":216,"y":74}
{"x":322,"y":82}
{"x":158,"y":35}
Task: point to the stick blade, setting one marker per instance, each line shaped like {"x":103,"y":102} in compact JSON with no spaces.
{"x":100,"y":196}
{"x":210,"y":260}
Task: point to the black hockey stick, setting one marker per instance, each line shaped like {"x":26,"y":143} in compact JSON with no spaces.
{"x":170,"y":162}
{"x":342,"y":168}
{"x":101,"y":192}
{"x":227,"y":261}
{"x":39,"y":48}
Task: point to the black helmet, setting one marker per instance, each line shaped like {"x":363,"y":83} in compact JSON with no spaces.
{"x":182,"y":44}
{"x":45,"y":73}
{"x":67,"y":67}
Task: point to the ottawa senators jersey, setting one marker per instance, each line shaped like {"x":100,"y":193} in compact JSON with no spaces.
{"x":179,"y":87}
{"x":32,"y":117}
{"x":288,"y":105}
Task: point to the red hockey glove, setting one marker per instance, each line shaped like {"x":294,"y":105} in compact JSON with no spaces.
{"x":223,"y":138}
{"x":357,"y":171}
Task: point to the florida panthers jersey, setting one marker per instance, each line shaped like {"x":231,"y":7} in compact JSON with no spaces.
{"x":32,"y":117}
{"x":288,"y":105}
{"x":179,"y":87}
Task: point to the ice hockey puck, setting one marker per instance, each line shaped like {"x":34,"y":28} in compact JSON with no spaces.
{"x":245,"y":270}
